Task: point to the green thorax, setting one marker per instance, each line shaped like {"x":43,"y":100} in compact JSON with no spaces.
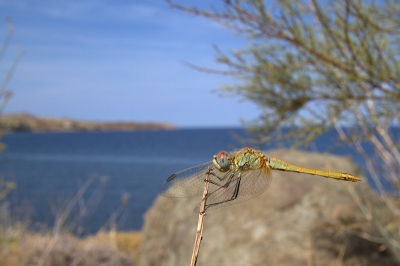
{"x":248,"y":160}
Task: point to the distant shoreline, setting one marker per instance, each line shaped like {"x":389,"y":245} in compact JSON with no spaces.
{"x":24,"y":122}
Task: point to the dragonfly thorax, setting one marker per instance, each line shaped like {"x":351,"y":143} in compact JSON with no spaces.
{"x":222,"y":161}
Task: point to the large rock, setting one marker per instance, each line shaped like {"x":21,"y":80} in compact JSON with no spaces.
{"x":300,"y":220}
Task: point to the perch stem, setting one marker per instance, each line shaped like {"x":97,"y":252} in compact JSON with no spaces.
{"x":200,"y":223}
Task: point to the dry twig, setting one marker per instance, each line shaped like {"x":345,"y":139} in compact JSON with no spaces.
{"x":200,"y":223}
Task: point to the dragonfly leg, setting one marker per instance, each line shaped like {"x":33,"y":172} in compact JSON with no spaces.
{"x":233,"y":197}
{"x":220,"y":179}
{"x":236,"y":191}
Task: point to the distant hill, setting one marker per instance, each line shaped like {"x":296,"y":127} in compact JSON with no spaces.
{"x":28,"y":122}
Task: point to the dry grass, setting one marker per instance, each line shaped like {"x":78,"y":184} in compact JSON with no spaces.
{"x":21,"y":247}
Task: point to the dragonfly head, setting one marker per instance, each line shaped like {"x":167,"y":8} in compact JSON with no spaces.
{"x":222,"y":161}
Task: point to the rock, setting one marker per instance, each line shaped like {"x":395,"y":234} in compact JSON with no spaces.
{"x":300,"y":220}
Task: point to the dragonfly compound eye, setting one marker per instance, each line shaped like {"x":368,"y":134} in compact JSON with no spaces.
{"x":222,"y":161}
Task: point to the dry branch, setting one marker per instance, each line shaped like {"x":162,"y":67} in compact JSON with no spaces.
{"x":200,"y":223}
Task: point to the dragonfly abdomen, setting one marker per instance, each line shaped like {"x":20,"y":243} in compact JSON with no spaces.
{"x":278,"y":164}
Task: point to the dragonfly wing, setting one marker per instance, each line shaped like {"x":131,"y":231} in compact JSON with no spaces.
{"x":252,"y":184}
{"x":186,"y":183}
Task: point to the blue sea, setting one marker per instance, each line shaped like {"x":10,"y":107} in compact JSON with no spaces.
{"x":125,"y":171}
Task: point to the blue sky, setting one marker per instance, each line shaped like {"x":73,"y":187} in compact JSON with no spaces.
{"x":119,"y":60}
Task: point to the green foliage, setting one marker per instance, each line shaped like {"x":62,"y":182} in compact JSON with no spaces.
{"x":314,"y":63}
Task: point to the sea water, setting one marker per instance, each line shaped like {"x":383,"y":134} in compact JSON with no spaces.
{"x":126,"y":171}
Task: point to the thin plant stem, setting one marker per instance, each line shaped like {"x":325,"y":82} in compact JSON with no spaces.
{"x":60,"y":219}
{"x":200,"y":223}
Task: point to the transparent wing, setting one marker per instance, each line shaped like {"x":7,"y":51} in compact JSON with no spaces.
{"x":186,"y":183}
{"x":250,"y":184}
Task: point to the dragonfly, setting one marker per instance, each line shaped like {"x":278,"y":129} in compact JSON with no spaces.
{"x":235,"y":177}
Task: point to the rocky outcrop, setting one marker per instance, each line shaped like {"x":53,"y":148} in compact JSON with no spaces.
{"x":28,"y":122}
{"x":300,"y":220}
